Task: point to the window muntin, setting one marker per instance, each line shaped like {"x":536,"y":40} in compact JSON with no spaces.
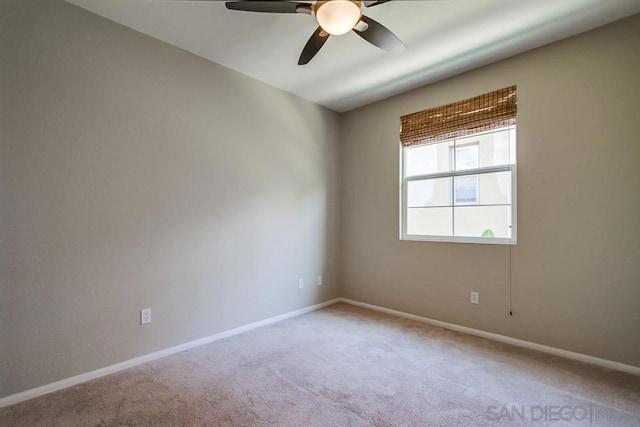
{"x":461,"y":189}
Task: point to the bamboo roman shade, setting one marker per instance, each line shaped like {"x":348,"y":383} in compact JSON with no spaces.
{"x":485,"y":112}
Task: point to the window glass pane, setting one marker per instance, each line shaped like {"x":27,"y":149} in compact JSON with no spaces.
{"x":466,"y":157}
{"x":429,"y":192}
{"x":428,"y":159}
{"x":482,"y":221}
{"x":512,"y":145}
{"x":494,"y":148}
{"x":465,"y":190}
{"x":430,"y":221}
{"x":494,"y":188}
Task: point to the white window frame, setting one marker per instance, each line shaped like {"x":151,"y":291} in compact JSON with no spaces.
{"x":477,"y":171}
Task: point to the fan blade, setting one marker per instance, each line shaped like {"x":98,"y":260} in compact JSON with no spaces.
{"x":379,"y":35}
{"x":317,"y":40}
{"x":370,"y":3}
{"x":269,"y":6}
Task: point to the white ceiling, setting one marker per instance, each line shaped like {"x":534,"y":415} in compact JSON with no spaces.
{"x":443,"y":38}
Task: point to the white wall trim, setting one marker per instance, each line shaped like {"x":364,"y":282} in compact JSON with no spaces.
{"x":635,"y":370}
{"x":68,"y":382}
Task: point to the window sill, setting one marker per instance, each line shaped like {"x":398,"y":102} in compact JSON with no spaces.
{"x":451,"y":239}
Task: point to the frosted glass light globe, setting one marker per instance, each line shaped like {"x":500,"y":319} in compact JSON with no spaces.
{"x":338,"y":17}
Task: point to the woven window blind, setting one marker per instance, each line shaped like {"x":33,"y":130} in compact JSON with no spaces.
{"x":481,"y":113}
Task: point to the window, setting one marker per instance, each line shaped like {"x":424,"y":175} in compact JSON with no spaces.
{"x":460,"y":186}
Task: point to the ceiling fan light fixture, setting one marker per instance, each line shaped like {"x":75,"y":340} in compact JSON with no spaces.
{"x":337,"y":17}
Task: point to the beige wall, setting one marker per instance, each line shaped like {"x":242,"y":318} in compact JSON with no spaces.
{"x":4,"y":258}
{"x":575,"y":270}
{"x":135,"y":175}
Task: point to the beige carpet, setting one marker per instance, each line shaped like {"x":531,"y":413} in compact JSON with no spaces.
{"x":346,"y":366}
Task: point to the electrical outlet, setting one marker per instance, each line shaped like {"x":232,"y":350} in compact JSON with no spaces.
{"x":145,"y":316}
{"x":319,"y":281}
{"x":300,"y":283}
{"x":475,"y":298}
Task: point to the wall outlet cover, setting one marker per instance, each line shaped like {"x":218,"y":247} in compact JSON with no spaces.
{"x":145,"y":316}
{"x":475,"y":298}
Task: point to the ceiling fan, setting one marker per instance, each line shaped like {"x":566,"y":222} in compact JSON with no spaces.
{"x":335,"y":17}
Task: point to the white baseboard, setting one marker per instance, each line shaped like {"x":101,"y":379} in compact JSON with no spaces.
{"x":635,"y":370}
{"x":68,"y":382}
